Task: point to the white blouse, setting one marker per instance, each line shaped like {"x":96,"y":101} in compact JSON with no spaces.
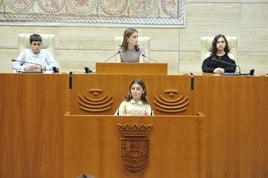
{"x":133,"y":108}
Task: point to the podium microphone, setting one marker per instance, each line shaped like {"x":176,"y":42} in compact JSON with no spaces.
{"x":239,"y":70}
{"x":149,"y":58}
{"x":117,"y":112}
{"x":41,"y":70}
{"x":150,"y":105}
{"x":111,"y":56}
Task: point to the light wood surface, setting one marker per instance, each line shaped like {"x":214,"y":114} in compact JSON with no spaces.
{"x":176,"y":146}
{"x":170,"y":87}
{"x":32,"y":124}
{"x":237,"y":134}
{"x":132,"y":68}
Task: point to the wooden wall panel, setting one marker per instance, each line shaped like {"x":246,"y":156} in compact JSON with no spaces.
{"x":236,"y":109}
{"x":117,"y":86}
{"x":31,"y":125}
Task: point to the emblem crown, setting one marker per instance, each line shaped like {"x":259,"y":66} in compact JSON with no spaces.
{"x":135,"y":130}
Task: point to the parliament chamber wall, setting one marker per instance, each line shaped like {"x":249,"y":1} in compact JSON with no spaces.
{"x":78,"y":46}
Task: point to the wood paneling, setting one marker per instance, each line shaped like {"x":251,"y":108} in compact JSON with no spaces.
{"x":176,"y":146}
{"x":132,"y":69}
{"x":236,"y":109}
{"x":31,"y":125}
{"x":117,"y":86}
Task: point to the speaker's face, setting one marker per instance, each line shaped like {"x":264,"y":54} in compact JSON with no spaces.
{"x":221,"y":43}
{"x":136,"y":91}
{"x":133,"y":39}
{"x":36,"y":45}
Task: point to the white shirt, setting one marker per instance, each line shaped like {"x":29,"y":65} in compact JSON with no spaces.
{"x":44,"y":58}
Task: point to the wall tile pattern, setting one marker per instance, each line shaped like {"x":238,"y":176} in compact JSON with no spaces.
{"x":156,"y":13}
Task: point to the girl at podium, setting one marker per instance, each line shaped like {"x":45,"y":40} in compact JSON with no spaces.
{"x":136,"y":102}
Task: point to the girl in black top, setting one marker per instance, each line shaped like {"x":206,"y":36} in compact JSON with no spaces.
{"x":219,"y":52}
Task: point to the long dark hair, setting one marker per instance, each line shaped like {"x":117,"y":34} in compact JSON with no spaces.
{"x":128,"y":32}
{"x":143,"y":96}
{"x":214,"y":45}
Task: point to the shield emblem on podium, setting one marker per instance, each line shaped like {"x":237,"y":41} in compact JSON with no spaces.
{"x":134,"y":154}
{"x":134,"y":147}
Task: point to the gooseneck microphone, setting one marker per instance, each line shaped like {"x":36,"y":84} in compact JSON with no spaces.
{"x":149,"y":58}
{"x":41,"y":70}
{"x":150,"y":105}
{"x":239,"y":70}
{"x":111,"y":56}
{"x":117,"y":112}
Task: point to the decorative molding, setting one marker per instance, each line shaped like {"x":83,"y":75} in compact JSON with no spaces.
{"x":149,"y":13}
{"x":135,"y":130}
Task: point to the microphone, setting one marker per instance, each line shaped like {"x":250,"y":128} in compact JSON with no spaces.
{"x":87,"y":70}
{"x":192,"y":81}
{"x":149,"y":58}
{"x":111,"y":56}
{"x":251,"y":72}
{"x":55,"y":69}
{"x":239,"y":70}
{"x":150,"y":105}
{"x":70,"y":80}
{"x":120,"y":105}
{"x":41,"y":70}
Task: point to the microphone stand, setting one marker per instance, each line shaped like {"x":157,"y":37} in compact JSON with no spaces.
{"x":150,"y":105}
{"x":149,"y":58}
{"x":117,"y":112}
{"x":111,"y":56}
{"x":41,"y":70}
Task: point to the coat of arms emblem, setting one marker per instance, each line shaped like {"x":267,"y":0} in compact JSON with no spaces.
{"x":134,"y":147}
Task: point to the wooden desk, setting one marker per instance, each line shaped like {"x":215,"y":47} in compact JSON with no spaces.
{"x":237,"y":135}
{"x":132,"y":68}
{"x":31,"y":125}
{"x":32,"y":122}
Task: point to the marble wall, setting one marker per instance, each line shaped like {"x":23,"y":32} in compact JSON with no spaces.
{"x":79,"y":46}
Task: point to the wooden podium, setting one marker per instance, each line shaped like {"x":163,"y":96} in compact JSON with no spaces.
{"x":101,"y":94}
{"x":96,"y":146}
{"x":132,"y":68}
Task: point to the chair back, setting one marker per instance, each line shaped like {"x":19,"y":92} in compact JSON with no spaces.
{"x":48,"y":42}
{"x":206,"y":43}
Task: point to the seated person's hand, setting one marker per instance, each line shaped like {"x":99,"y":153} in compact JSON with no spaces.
{"x":218,"y":70}
{"x":32,"y":67}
